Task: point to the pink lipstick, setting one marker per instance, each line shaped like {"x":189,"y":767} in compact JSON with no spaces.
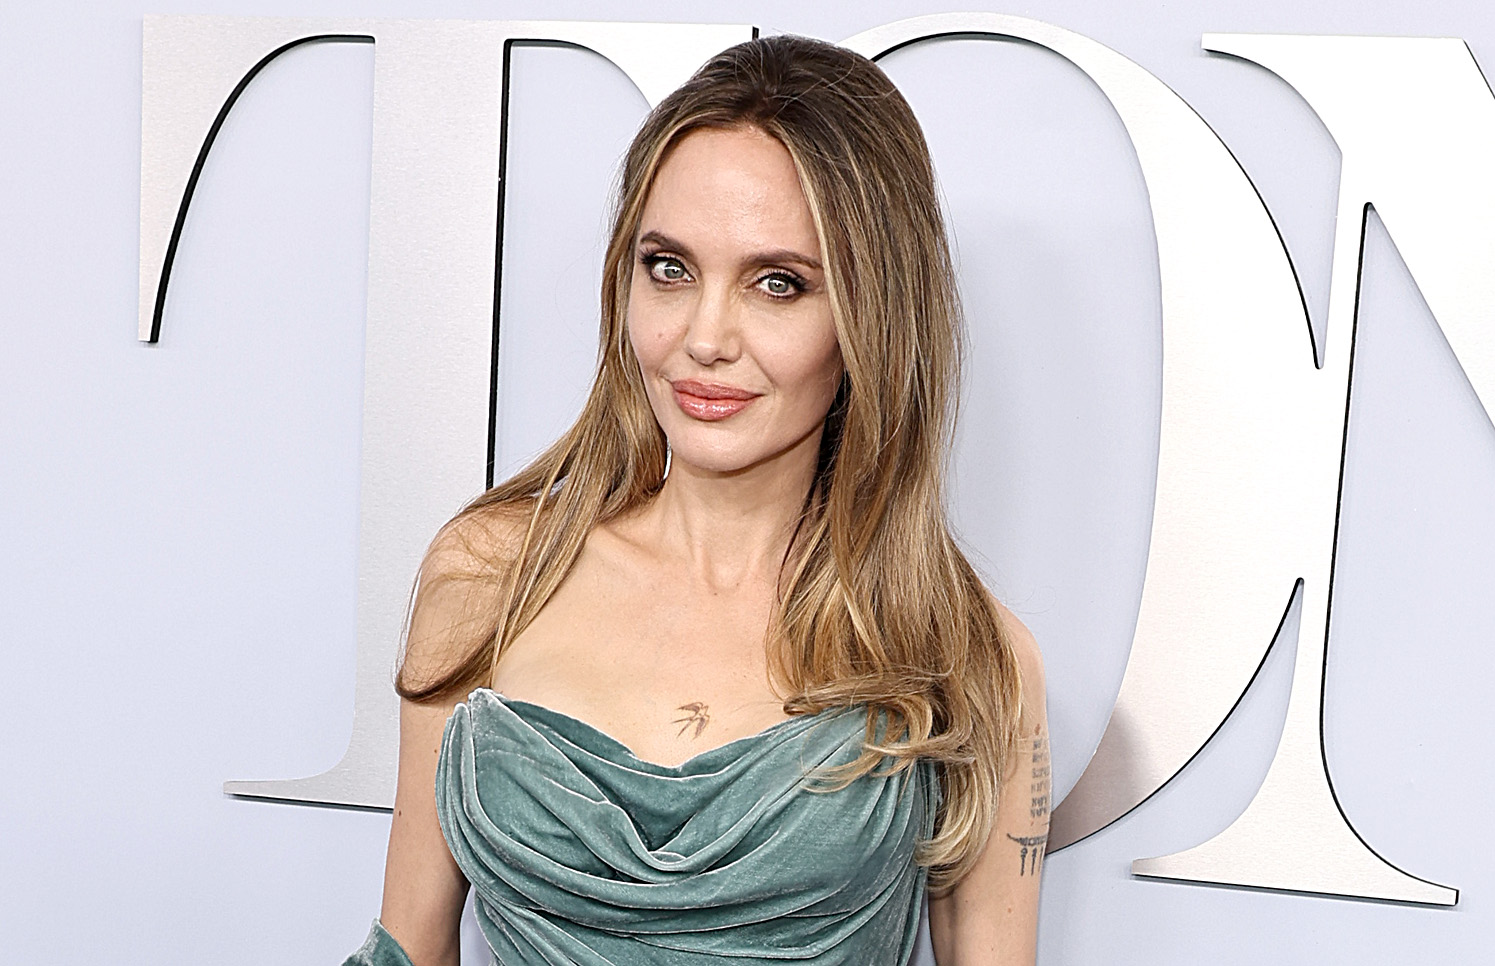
{"x":710,"y":401}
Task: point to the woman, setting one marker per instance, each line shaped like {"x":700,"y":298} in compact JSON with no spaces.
{"x":732,"y":691}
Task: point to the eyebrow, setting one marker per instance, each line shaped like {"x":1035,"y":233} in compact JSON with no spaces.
{"x":774,"y":256}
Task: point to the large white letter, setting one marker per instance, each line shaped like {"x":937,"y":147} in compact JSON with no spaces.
{"x":1415,"y":122}
{"x":434,"y":238}
{"x":1235,"y":453}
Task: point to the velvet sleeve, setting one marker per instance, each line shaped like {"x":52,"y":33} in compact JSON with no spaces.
{"x":379,"y":949}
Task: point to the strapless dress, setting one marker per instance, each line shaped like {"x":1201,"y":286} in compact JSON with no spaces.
{"x":583,"y":854}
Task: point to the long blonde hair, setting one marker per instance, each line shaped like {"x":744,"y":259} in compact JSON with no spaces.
{"x":878,"y":605}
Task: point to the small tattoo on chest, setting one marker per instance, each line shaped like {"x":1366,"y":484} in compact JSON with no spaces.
{"x":696,"y":715}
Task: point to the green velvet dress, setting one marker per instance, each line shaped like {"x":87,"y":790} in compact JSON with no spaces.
{"x":582,"y":854}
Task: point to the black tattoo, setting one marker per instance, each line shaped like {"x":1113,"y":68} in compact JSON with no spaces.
{"x":696,"y":715}
{"x":1034,"y":844}
{"x":1039,"y":784}
{"x":1030,"y":858}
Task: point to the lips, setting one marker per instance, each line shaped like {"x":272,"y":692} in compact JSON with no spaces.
{"x":710,"y":401}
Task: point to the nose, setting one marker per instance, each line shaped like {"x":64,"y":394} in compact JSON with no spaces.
{"x":711,"y":330}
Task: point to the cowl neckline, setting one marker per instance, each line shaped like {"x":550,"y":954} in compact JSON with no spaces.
{"x":588,"y":737}
{"x":581,"y":853}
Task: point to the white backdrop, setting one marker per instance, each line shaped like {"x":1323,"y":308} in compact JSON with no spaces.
{"x":177,"y":522}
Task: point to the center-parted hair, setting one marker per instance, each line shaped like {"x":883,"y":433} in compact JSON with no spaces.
{"x":878,"y":604}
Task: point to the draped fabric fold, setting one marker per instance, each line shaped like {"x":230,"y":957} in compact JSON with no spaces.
{"x":582,"y":854}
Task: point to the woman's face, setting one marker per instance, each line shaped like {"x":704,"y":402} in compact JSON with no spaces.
{"x":728,"y":313}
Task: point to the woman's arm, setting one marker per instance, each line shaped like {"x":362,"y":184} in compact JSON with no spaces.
{"x":424,"y":890}
{"x":990,"y":918}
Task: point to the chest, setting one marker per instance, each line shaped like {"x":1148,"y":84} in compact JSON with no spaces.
{"x":664,"y":664}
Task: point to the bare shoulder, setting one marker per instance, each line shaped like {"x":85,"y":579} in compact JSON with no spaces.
{"x":476,"y":542}
{"x":452,"y":616}
{"x":462,"y":577}
{"x":1029,"y":664}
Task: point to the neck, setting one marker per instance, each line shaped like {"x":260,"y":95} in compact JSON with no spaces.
{"x":727,"y":528}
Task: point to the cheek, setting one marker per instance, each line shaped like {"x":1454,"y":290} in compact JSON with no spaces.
{"x":649,"y":338}
{"x":811,"y":370}
{"x":644,"y":345}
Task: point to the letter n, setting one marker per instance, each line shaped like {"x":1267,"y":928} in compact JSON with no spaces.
{"x":1415,"y":123}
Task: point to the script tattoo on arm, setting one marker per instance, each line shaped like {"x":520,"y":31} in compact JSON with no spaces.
{"x":696,"y":716}
{"x":1036,"y":758}
{"x":1039,"y":780}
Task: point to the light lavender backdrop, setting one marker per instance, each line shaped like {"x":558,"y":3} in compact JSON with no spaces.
{"x":177,"y":522}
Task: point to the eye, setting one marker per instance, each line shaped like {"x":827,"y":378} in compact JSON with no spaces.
{"x":781,"y":285}
{"x":665,"y":269}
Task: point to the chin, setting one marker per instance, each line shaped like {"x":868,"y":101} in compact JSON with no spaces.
{"x":714,"y":458}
